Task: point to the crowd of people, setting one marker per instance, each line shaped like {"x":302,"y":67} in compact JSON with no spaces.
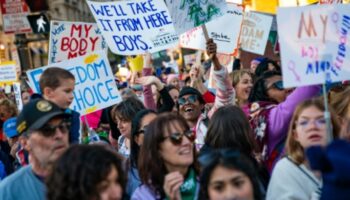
{"x":248,"y":138}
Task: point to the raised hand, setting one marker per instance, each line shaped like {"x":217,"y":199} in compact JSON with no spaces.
{"x":172,"y":184}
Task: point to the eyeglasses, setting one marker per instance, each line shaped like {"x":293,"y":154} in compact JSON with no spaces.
{"x":319,"y":123}
{"x":176,"y":138}
{"x":50,"y":130}
{"x":278,"y":85}
{"x":191,"y":99}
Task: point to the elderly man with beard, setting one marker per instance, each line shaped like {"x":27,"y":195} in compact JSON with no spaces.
{"x":44,"y":131}
{"x":192,"y":105}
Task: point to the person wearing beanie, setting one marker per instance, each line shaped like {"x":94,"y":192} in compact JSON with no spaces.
{"x":191,"y":102}
{"x":334,"y":164}
{"x":43,"y":129}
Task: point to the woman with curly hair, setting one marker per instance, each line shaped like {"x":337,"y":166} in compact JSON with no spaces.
{"x":87,"y":172}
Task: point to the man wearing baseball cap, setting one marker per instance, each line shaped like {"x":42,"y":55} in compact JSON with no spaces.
{"x":44,"y":132}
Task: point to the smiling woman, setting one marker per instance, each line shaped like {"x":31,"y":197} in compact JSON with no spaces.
{"x":167,"y":160}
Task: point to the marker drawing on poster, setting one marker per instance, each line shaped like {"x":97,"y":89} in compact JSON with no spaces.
{"x":314,"y":43}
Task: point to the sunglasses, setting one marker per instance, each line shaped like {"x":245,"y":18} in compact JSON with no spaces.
{"x":176,"y":138}
{"x":278,"y":85}
{"x":191,"y":99}
{"x":50,"y":130}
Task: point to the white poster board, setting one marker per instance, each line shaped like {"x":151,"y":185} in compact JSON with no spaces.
{"x":224,"y":31}
{"x":73,"y":39}
{"x":187,"y":15}
{"x":18,"y":95}
{"x":135,"y":26}
{"x":314,"y":43}
{"x":95,"y":87}
{"x":255,"y":32}
{"x":8,"y":72}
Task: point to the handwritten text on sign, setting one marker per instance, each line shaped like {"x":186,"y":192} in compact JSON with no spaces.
{"x":255,"y":31}
{"x":188,"y":14}
{"x":226,"y":38}
{"x":134,"y":27}
{"x":8,"y":73}
{"x":73,"y":39}
{"x":95,"y":87}
{"x":314,"y":44}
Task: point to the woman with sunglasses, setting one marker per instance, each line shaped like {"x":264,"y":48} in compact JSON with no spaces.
{"x":167,"y":163}
{"x":292,"y":177}
{"x":269,"y":112}
{"x":228,"y":174}
{"x":138,"y":128}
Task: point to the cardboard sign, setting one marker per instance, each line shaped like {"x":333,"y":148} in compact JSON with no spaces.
{"x":314,"y":42}
{"x":95,"y":88}
{"x":225,"y":38}
{"x":255,"y":32}
{"x":135,"y":26}
{"x":187,"y":14}
{"x":8,"y":73}
{"x":73,"y":39}
{"x":14,"y":15}
{"x":18,"y":95}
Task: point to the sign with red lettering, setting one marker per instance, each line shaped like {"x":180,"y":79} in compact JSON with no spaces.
{"x":14,"y":15}
{"x":315,"y":45}
{"x":73,"y":39}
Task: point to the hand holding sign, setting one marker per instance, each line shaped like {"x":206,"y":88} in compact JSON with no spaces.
{"x":150,"y":80}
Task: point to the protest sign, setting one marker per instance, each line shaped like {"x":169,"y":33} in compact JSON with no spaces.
{"x":8,"y":72}
{"x":225,"y":38}
{"x":314,"y":44}
{"x":187,"y":15}
{"x":135,"y":26}
{"x":95,"y":87}
{"x":73,"y":39}
{"x":255,"y":31}
{"x":18,"y":95}
{"x":14,"y":15}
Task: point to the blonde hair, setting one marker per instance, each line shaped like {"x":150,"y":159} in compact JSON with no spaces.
{"x":341,"y":102}
{"x":293,"y":147}
{"x":238,"y":74}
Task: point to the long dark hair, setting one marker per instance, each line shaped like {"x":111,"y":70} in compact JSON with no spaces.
{"x":79,"y":171}
{"x":135,"y":126}
{"x":259,"y":90}
{"x":228,"y":158}
{"x":229,"y":127}
{"x":151,"y":165}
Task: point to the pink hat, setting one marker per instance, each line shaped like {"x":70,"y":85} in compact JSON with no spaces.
{"x":171,"y":77}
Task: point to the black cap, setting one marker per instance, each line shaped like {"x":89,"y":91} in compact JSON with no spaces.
{"x":36,"y":114}
{"x":190,"y":90}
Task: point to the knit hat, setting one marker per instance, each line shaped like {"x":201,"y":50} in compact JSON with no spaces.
{"x":190,"y":90}
{"x":334,"y":163}
{"x":171,"y":77}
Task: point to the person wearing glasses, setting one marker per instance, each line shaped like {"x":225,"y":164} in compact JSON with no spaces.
{"x":167,"y":161}
{"x":192,"y":105}
{"x":292,"y":178}
{"x":270,"y":110}
{"x":228,"y":174}
{"x":44,"y":132}
{"x":138,"y":128}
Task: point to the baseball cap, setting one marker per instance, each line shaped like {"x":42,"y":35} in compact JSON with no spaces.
{"x":9,"y":127}
{"x":36,"y":114}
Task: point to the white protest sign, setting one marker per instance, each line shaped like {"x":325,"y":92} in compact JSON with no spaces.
{"x":18,"y":95}
{"x":95,"y":88}
{"x":255,"y":32}
{"x":314,"y":43}
{"x":188,"y":14}
{"x":135,"y":26}
{"x":225,"y":38}
{"x":73,"y":39}
{"x":8,"y":72}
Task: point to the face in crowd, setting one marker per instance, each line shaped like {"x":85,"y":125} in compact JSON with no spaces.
{"x":243,"y":84}
{"x":63,"y":94}
{"x":275,"y":90}
{"x":190,"y":107}
{"x":145,"y":121}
